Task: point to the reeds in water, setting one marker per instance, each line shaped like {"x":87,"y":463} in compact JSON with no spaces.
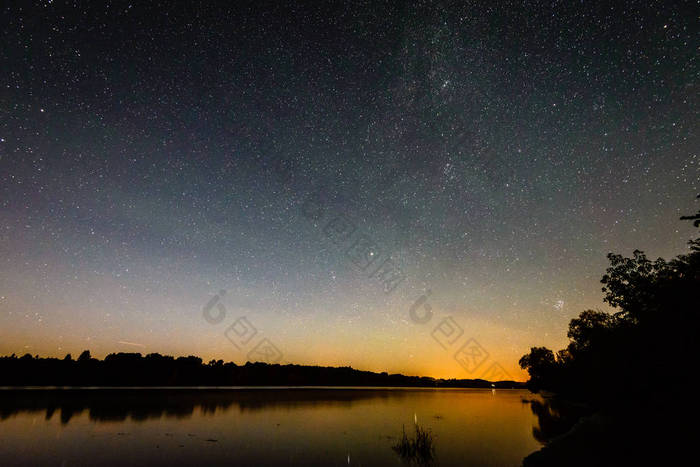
{"x":419,"y":448}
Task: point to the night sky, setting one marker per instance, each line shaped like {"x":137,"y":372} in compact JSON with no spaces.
{"x":379,"y":184}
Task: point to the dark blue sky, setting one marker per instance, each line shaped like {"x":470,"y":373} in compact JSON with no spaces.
{"x":152,"y":155}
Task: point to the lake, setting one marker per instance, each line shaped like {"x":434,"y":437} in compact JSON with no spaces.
{"x":263,"y":426}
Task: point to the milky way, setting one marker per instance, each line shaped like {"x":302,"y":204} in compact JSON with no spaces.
{"x":490,"y":156}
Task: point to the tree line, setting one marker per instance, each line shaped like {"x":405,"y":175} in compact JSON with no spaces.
{"x":134,"y":369}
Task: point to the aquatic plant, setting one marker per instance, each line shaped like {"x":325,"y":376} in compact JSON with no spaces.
{"x":419,"y":449}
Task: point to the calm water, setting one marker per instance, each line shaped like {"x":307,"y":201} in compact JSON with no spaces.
{"x":322,"y":427}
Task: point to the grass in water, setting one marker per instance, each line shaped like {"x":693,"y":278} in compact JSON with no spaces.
{"x":419,"y":449}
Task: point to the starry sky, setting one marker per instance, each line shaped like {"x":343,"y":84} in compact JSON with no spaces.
{"x":374,"y":184}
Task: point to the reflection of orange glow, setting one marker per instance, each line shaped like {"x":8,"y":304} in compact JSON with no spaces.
{"x":269,"y":427}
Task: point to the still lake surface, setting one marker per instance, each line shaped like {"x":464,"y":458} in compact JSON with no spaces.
{"x":262,"y":426}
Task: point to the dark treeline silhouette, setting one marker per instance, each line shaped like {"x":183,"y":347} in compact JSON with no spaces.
{"x":133,"y":369}
{"x":632,"y":366}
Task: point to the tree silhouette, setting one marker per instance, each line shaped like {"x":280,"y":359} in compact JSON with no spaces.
{"x":133,"y":369}
{"x":648,"y":338}
{"x":588,"y":329}
{"x":631,"y":368}
{"x":541,"y":365}
{"x":695,"y":217}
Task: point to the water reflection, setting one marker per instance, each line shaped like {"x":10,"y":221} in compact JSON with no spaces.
{"x":264,"y":427}
{"x":554,"y":417}
{"x":140,"y":405}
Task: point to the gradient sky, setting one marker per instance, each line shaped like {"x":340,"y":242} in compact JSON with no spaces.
{"x":152,"y":155}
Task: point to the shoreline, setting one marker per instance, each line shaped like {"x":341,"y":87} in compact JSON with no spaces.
{"x":244,"y":388}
